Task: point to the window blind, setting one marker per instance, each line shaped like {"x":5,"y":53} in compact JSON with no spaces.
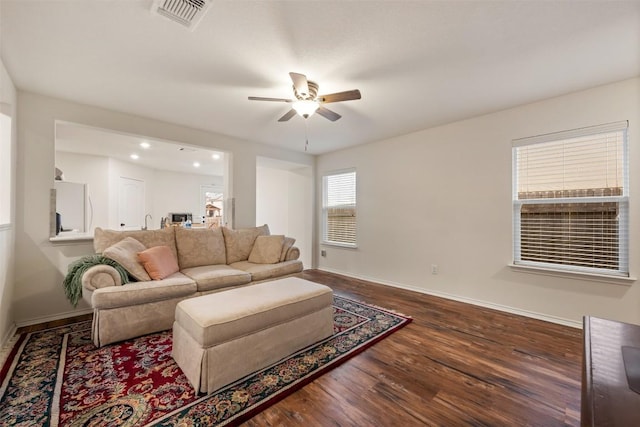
{"x":339,"y":208}
{"x":571,"y":200}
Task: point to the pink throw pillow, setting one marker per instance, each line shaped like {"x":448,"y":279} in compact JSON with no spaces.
{"x":159,"y":262}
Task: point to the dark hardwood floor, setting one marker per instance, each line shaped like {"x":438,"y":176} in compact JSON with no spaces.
{"x":53,"y":324}
{"x":456,"y":364}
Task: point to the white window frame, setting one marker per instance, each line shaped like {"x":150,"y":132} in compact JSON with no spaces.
{"x":622,"y":200}
{"x":325,"y":176}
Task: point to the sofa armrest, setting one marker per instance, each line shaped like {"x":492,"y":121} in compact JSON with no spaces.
{"x":292,"y":254}
{"x":100,"y":276}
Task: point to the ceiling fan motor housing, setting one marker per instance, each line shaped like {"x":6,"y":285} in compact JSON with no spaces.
{"x":312,"y":95}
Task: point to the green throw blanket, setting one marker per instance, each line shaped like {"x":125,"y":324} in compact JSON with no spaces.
{"x":73,"y":280}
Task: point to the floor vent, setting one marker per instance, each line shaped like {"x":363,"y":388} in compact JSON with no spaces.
{"x":185,"y":12}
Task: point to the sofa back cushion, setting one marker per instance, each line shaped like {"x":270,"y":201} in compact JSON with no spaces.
{"x":200,"y":246}
{"x":102,"y":238}
{"x":240,"y":242}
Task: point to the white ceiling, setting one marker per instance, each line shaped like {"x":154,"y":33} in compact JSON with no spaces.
{"x":417,"y":63}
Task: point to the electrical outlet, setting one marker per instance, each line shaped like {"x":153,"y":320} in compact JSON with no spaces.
{"x":434,"y":268}
{"x":323,"y":253}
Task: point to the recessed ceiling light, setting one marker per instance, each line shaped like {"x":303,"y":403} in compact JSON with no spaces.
{"x":134,"y":156}
{"x":145,"y":144}
{"x":196,"y":164}
{"x":215,"y":156}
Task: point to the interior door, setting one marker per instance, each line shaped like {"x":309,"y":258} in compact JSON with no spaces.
{"x":130,"y":203}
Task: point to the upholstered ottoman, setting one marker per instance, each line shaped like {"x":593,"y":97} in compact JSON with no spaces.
{"x":221,"y":337}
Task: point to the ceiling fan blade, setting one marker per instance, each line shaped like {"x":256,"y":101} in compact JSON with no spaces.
{"x":328,"y":114}
{"x":300,"y":83}
{"x":287,"y":116}
{"x":259,"y":98}
{"x":340,"y":96}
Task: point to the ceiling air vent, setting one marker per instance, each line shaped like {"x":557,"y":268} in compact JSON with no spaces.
{"x":185,"y":12}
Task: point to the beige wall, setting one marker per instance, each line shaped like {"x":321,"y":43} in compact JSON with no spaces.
{"x":272,"y":199}
{"x":7,"y":234}
{"x":284,"y":201}
{"x":40,"y":265}
{"x":445,"y":198}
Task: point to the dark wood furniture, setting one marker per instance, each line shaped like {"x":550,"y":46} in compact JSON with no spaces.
{"x":607,"y":399}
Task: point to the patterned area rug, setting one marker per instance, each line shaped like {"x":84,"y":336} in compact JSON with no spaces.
{"x":57,"y":377}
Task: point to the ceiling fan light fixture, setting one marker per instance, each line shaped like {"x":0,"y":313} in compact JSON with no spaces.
{"x":306,"y":108}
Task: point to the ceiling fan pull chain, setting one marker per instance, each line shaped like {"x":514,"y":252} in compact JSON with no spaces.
{"x":306,"y":135}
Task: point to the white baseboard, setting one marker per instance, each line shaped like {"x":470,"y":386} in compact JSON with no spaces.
{"x":45,"y":319}
{"x":7,"y":343}
{"x":486,"y":304}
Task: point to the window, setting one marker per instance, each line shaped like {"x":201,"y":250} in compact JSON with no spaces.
{"x":571,"y":200}
{"x":339,"y":208}
{"x":5,"y":169}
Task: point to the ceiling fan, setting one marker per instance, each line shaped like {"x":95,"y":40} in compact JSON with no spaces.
{"x":308,"y":101}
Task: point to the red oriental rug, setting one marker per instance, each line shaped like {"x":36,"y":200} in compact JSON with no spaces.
{"x":57,"y":377}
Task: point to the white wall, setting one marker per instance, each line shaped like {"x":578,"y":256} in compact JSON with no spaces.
{"x":301,"y":209}
{"x":284,"y":201}
{"x":39,"y":264}
{"x":272,"y":199}
{"x":8,"y":101}
{"x":180,"y":192}
{"x":443,"y":196}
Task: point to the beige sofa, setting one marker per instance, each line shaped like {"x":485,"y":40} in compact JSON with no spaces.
{"x":209,"y":260}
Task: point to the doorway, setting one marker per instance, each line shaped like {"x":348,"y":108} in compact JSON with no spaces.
{"x":284,"y":201}
{"x":130,"y":203}
{"x":212,"y":212}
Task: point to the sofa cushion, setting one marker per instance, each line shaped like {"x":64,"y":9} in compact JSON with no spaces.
{"x":268,"y":271}
{"x":266,"y":249}
{"x":175,"y":286}
{"x":125,"y":253}
{"x":197,"y":247}
{"x":159,"y":262}
{"x":288,"y":242}
{"x":102,"y":238}
{"x":211,"y":277}
{"x":240,"y":242}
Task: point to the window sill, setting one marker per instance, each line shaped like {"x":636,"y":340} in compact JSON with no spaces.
{"x":339,"y":245}
{"x":616,"y":280}
{"x":71,"y":237}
